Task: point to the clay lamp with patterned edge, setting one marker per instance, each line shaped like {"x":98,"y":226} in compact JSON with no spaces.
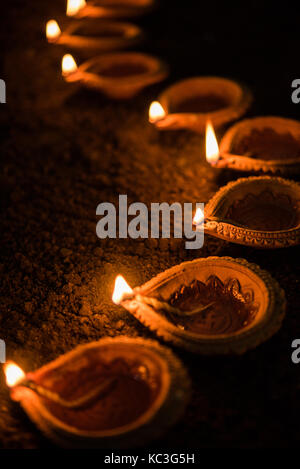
{"x":109,"y":8}
{"x":118,"y":75}
{"x":90,"y":37}
{"x":190,"y":103}
{"x":259,"y":211}
{"x":211,"y":306}
{"x":114,"y":393}
{"x":262,"y":144}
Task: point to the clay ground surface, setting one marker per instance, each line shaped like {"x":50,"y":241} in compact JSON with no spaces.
{"x":64,"y":150}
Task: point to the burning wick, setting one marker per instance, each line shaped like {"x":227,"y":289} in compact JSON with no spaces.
{"x":156,"y":112}
{"x":74,"y":6}
{"x":68,"y":65}
{"x":199,"y":217}
{"x":212,"y":147}
{"x":15,"y":377}
{"x":123,"y":292}
{"x":14,"y":374}
{"x":53,"y":31}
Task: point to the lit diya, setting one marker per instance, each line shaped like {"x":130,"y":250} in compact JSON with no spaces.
{"x":119,"y":76}
{"x":190,"y":103}
{"x":113,"y":393}
{"x":262,"y":144}
{"x":212,"y":306}
{"x":92,"y":36}
{"x":109,"y":8}
{"x":262,"y":212}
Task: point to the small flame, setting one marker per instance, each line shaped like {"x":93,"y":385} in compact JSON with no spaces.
{"x":199,"y":217}
{"x":52,"y":30}
{"x":14,"y":374}
{"x":74,"y":6}
{"x":212,"y":147}
{"x":68,"y":65}
{"x":121,"y":291}
{"x":156,"y":112}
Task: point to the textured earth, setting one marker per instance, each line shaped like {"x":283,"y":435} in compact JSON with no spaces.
{"x":64,"y":150}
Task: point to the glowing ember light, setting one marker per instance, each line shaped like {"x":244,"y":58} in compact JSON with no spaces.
{"x":52,"y":30}
{"x":212,"y":147}
{"x":199,"y":217}
{"x":121,"y":291}
{"x":74,"y":6}
{"x":14,"y":374}
{"x":156,"y":112}
{"x":68,"y":65}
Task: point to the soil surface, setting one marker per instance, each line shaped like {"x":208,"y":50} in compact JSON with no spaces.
{"x":65,"y":150}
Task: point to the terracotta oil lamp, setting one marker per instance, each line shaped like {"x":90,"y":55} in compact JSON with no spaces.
{"x":114,"y":393}
{"x":211,"y":306}
{"x":118,"y":75}
{"x":262,"y":212}
{"x":109,"y":8}
{"x":190,"y":103}
{"x":262,"y":144}
{"x":89,"y":37}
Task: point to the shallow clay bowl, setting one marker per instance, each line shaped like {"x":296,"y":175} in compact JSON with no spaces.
{"x":148,"y":394}
{"x":92,"y":36}
{"x":262,"y":144}
{"x":262,"y":212}
{"x":192,"y":102}
{"x":117,"y":8}
{"x":247,"y":305}
{"x":120,"y":76}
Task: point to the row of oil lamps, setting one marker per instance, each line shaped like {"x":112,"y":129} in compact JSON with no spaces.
{"x":134,"y":388}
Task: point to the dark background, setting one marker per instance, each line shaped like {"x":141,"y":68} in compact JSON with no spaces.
{"x":65,"y":150}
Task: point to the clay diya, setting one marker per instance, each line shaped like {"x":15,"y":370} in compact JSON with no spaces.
{"x":262,"y":212}
{"x":92,"y":36}
{"x":119,"y":76}
{"x":190,"y":103}
{"x":211,"y":306}
{"x":109,"y":8}
{"x":113,"y":393}
{"x":266,"y":144}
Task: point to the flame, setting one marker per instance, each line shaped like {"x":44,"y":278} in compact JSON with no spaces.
{"x":156,"y":112}
{"x":74,"y":6}
{"x":68,"y":65}
{"x":53,"y":31}
{"x":121,"y":290}
{"x":212,"y":147}
{"x":199,"y":217}
{"x":14,"y":374}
